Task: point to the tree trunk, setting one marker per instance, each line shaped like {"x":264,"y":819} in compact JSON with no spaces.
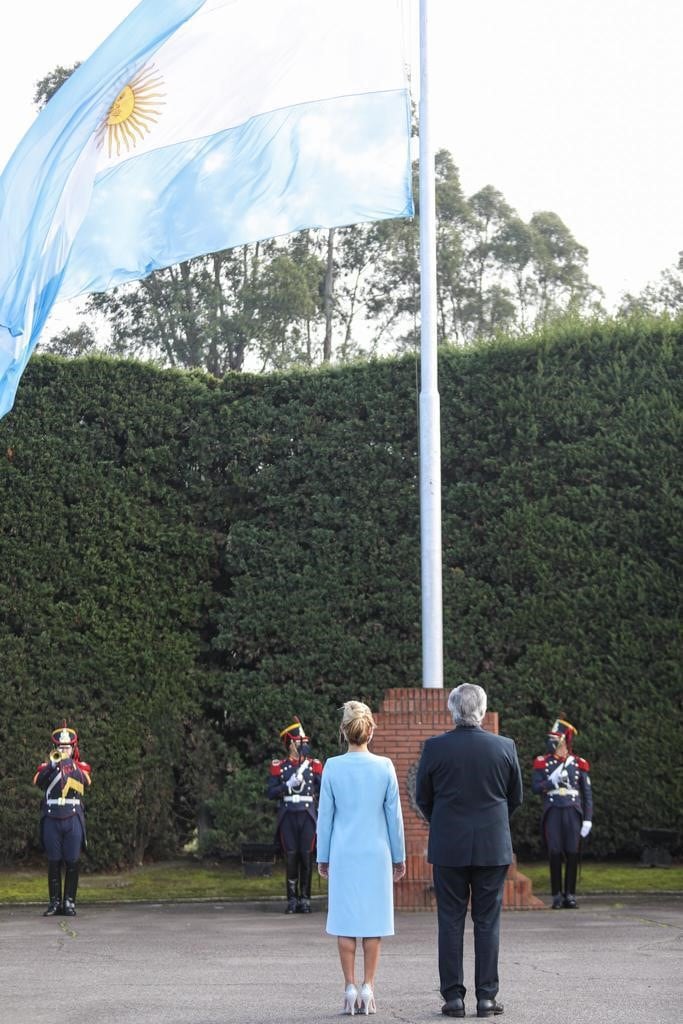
{"x":329,"y":297}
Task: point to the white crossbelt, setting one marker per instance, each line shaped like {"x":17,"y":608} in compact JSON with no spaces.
{"x":298,"y":799}
{"x":61,"y":801}
{"x":565,"y":791}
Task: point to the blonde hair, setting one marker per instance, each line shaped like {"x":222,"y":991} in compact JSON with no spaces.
{"x":357,"y":724}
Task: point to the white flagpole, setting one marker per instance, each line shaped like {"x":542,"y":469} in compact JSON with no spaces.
{"x":430,"y":413}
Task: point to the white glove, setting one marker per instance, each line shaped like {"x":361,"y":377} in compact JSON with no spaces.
{"x":554,"y":777}
{"x":292,"y":782}
{"x":585,"y":828}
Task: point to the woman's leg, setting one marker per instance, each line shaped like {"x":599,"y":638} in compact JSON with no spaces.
{"x":347,"y":955}
{"x":371,"y":951}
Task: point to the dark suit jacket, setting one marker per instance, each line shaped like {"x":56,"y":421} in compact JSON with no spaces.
{"x":468,"y":784}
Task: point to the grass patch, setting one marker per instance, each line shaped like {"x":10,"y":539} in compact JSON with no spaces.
{"x":189,"y":880}
{"x":611,"y":877}
{"x":174,"y":880}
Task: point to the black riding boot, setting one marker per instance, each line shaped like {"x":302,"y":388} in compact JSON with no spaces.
{"x":570,"y":881}
{"x":70,"y":888}
{"x":305,"y":873}
{"x":292,"y":869}
{"x":556,"y":879}
{"x":54,"y":888}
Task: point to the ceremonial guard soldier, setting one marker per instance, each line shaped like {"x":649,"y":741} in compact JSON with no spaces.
{"x":63,"y":778}
{"x":295,"y":783}
{"x":562,"y":779}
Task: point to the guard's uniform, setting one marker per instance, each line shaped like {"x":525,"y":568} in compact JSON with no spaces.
{"x":63,"y":780}
{"x":295,"y":783}
{"x":567,"y":806}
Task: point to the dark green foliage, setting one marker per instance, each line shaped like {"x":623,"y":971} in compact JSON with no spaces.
{"x":186,"y":564}
{"x":320,"y":568}
{"x":239,"y":813}
{"x":48,"y":86}
{"x":560,"y":575}
{"x":104,"y":571}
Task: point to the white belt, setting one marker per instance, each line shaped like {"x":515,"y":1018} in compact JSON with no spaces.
{"x":61,"y":801}
{"x":298,"y":799}
{"x":563,"y":791}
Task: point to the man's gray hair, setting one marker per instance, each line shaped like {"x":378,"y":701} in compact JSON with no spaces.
{"x":467,"y":704}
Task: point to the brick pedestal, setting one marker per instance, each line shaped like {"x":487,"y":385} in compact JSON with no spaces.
{"x":405,"y":720}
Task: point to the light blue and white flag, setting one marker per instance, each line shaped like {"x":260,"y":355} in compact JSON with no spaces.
{"x":196,"y":126}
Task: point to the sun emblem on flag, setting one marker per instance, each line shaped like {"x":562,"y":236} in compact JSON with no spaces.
{"x":134,"y":112}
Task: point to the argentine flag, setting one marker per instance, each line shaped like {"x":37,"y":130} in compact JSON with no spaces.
{"x":199,"y":125}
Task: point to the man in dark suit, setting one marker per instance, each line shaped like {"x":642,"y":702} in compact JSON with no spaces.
{"x":468,"y":784}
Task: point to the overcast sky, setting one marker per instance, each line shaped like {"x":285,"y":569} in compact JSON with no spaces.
{"x":564,"y":105}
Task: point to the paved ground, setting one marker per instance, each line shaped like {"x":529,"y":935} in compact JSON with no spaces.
{"x":213,"y":963}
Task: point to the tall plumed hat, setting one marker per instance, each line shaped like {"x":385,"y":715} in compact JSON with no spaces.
{"x":63,"y":735}
{"x":293,"y":733}
{"x":561,"y":728}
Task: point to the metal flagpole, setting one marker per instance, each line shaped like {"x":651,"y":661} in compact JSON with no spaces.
{"x":430,"y":412}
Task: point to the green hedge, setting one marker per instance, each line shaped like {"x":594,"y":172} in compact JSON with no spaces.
{"x":105,"y":568}
{"x":187,"y":563}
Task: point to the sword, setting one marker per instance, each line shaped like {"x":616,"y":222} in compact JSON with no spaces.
{"x":299,"y":773}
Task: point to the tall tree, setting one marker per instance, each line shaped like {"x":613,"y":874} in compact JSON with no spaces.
{"x":662,"y":296}
{"x":286,"y":303}
{"x":211,"y":312}
{"x":559,"y":266}
{"x":494,"y":271}
{"x":71,"y":342}
{"x":490,"y":306}
{"x":515,"y":246}
{"x":48,"y":86}
{"x":329,"y":295}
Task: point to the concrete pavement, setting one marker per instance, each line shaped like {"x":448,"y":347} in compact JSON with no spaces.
{"x":212,"y":963}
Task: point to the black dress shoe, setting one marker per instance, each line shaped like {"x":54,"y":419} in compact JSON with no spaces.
{"x":453,"y":1007}
{"x":569,"y":902}
{"x":557,"y":901}
{"x":488,"y":1008}
{"x":69,"y":909}
{"x":55,"y":907}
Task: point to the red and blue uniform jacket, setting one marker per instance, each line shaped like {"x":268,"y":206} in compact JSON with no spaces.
{"x":63,"y":786}
{"x":302,"y":797}
{"x":573,"y":789}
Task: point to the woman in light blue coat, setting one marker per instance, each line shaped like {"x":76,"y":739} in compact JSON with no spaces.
{"x":361,"y":849}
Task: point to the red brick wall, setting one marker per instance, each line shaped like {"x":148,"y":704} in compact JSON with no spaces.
{"x":408,"y":716}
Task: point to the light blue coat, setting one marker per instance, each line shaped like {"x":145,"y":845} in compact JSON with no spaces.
{"x":360,"y":835}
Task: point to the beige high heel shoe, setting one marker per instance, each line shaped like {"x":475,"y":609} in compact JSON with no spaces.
{"x":350,"y":999}
{"x":367,"y":1000}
